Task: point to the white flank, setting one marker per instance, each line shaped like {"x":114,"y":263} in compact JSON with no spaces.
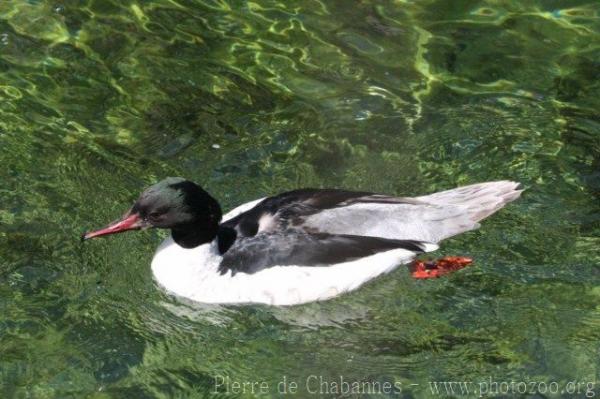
{"x":192,"y":273}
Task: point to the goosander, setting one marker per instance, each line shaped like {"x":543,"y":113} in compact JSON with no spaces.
{"x":299,"y":246}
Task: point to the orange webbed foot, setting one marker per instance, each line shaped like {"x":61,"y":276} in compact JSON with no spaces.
{"x":435,"y":268}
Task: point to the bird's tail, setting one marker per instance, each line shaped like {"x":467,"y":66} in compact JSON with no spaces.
{"x":470,"y":204}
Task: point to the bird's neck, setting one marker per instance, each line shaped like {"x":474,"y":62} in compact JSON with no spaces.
{"x":194,"y":235}
{"x":204,"y":225}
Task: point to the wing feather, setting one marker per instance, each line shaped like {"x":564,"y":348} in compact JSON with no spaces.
{"x":252,"y":254}
{"x":429,"y":218}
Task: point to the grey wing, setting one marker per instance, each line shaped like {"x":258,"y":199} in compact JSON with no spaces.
{"x":429,"y":218}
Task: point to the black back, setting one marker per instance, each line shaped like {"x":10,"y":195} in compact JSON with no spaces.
{"x":289,"y":207}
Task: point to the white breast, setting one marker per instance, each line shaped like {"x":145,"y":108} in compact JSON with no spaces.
{"x":192,"y":273}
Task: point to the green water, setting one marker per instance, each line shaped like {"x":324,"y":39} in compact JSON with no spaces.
{"x":99,"y":99}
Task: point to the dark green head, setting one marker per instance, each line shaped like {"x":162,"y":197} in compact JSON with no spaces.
{"x":173,"y":203}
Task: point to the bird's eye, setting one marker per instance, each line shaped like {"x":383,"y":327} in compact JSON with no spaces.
{"x":154,"y":215}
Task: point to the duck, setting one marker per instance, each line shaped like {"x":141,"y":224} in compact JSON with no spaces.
{"x":299,"y":246}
